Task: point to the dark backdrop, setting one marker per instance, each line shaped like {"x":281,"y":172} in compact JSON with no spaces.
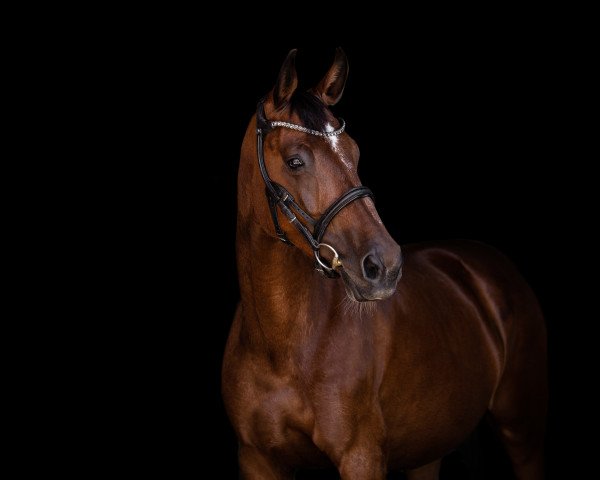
{"x":456,"y":140}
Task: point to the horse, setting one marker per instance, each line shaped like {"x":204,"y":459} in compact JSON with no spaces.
{"x":348,"y":350}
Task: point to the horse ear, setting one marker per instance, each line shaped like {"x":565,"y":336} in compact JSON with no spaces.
{"x":287,"y":82}
{"x":330,"y":89}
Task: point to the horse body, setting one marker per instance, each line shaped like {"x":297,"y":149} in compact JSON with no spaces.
{"x":312,"y":378}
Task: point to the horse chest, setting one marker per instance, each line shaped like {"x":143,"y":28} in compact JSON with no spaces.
{"x":286,"y":415}
{"x":277,"y":417}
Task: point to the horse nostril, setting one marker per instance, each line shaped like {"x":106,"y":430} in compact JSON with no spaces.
{"x":371,"y":267}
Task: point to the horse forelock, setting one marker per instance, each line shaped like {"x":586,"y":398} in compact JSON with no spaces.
{"x":312,"y":111}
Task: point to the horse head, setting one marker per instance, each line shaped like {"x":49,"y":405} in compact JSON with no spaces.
{"x":313,"y":180}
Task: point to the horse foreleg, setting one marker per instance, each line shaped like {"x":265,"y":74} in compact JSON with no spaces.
{"x":524,"y":444}
{"x":431,"y":471}
{"x":520,"y":403}
{"x":362,"y":463}
{"x":255,"y":465}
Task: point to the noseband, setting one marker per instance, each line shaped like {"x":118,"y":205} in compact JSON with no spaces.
{"x":279,"y":197}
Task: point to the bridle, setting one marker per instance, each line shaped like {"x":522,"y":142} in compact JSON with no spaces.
{"x":279,"y":197}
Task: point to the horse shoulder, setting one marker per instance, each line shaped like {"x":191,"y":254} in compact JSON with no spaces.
{"x":487,"y":280}
{"x":263,"y":403}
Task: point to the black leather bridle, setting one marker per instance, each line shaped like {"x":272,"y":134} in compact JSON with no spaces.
{"x":279,"y":197}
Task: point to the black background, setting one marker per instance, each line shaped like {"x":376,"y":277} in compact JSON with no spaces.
{"x":459,"y":138}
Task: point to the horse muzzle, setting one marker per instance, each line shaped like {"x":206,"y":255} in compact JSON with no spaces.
{"x":377,"y":279}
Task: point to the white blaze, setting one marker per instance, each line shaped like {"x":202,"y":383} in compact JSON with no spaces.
{"x":333,"y":141}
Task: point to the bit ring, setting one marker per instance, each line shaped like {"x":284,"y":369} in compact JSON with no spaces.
{"x":335,"y":263}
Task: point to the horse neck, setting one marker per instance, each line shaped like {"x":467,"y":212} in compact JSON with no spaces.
{"x":283,"y":299}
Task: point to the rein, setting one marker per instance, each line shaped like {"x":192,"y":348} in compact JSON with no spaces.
{"x":279,"y":197}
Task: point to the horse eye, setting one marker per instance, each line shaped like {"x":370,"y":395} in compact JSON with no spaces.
{"x":295,"y":163}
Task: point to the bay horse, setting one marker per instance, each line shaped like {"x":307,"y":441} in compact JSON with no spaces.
{"x":347,"y":350}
